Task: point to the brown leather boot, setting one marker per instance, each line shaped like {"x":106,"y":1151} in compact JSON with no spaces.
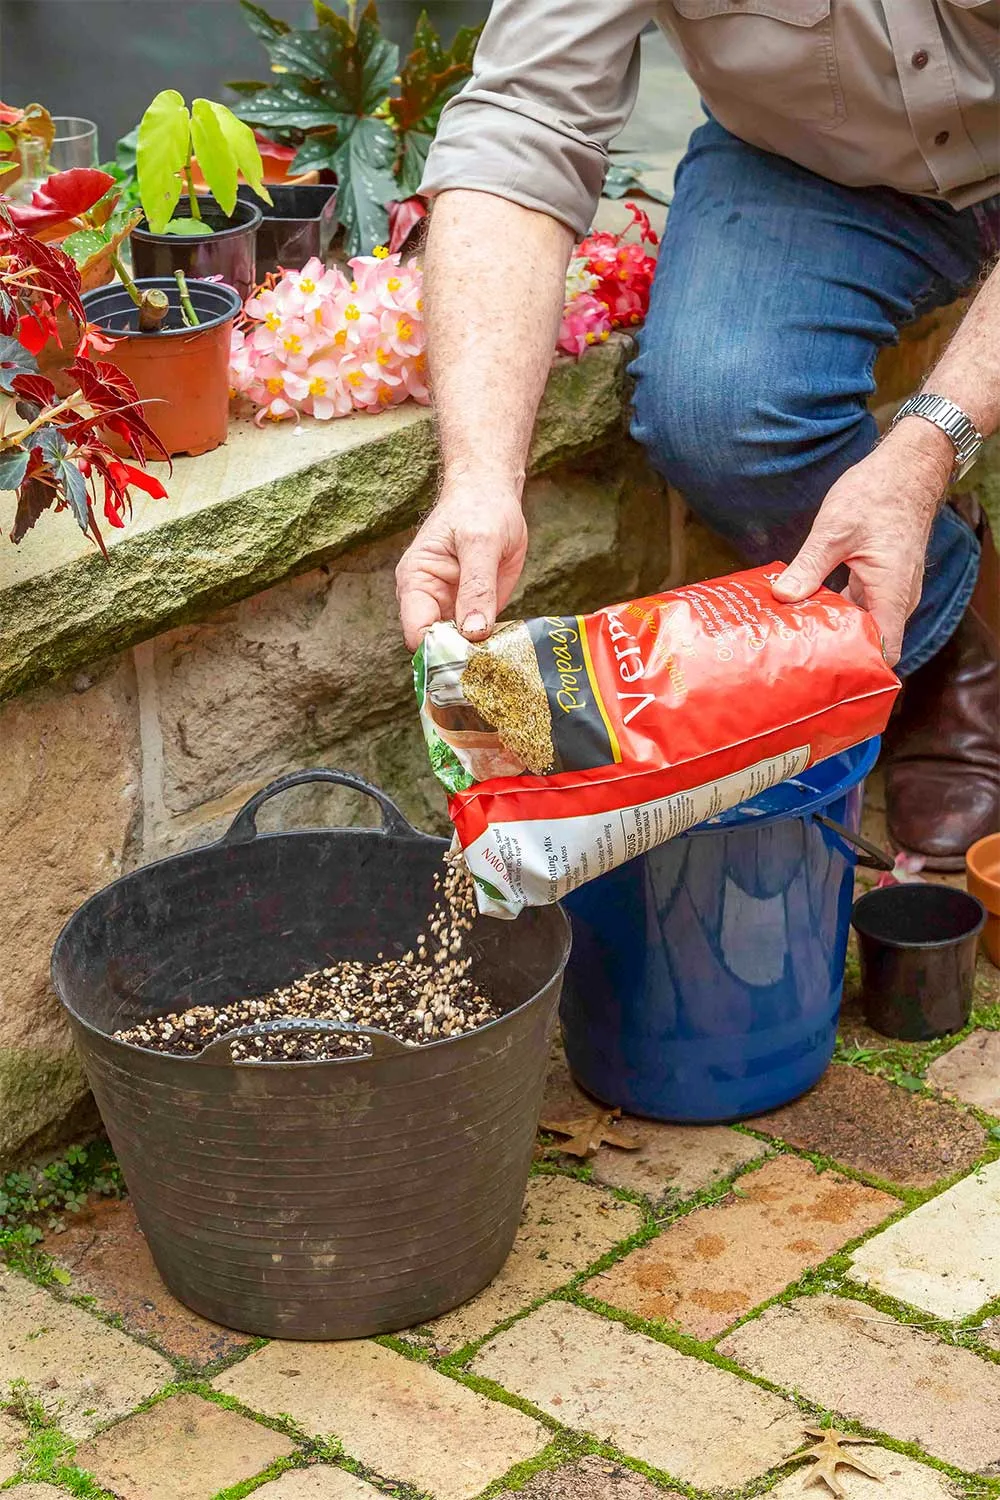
{"x":943,"y":773}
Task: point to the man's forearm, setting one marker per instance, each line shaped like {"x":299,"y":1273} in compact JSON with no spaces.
{"x":494,"y":279}
{"x":968,"y":373}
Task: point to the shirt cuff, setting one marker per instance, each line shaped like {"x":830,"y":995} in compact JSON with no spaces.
{"x":518,"y":150}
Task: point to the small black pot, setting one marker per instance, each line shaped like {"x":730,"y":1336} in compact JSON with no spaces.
{"x":918,"y":958}
{"x":230,"y":251}
{"x":300,"y":224}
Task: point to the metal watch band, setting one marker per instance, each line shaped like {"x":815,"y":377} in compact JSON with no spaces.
{"x":953,"y":422}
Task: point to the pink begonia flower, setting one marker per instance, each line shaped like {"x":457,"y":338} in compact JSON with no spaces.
{"x":323,"y":343}
{"x":327,"y":396}
{"x":585,"y":321}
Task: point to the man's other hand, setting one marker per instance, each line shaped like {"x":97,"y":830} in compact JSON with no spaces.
{"x":877,"y":519}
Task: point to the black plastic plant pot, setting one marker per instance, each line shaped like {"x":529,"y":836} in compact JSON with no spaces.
{"x":180,"y":373}
{"x":300,"y":224}
{"x":312,"y":1200}
{"x":918,"y":959}
{"x":230,"y":251}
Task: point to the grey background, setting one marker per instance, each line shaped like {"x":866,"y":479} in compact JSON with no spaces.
{"x":105,"y":59}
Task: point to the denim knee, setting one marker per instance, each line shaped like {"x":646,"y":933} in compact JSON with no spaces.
{"x":748,"y":446}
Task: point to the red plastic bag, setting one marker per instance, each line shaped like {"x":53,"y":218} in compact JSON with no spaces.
{"x":570,"y":744}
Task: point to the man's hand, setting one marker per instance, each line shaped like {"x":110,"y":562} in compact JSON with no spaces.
{"x":463,"y":563}
{"x":877,"y":519}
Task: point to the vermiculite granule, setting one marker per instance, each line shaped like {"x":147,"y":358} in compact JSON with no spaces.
{"x":628,"y":726}
{"x":423,"y":996}
{"x":505,"y":687}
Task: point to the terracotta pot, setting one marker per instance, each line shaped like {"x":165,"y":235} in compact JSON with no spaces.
{"x":182,"y":373}
{"x":300,"y":224}
{"x":982,"y":868}
{"x":230,"y":251}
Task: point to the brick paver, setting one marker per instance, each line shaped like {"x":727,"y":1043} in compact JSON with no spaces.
{"x":852,"y":1359}
{"x":879,"y":1128}
{"x":106,"y":1253}
{"x":319,"y":1483}
{"x":183,"y":1448}
{"x":82,"y":1371}
{"x":593,"y":1478}
{"x":394,"y":1414}
{"x":12,"y":1435}
{"x":717,"y":1263}
{"x":945,"y":1256}
{"x":687,"y":1418}
{"x":566,"y":1227}
{"x":970,"y":1071}
{"x":674,"y":1160}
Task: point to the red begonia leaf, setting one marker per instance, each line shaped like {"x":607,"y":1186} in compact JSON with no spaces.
{"x":63,"y":197}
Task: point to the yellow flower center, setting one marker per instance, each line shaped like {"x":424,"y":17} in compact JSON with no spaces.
{"x":590,"y":338}
{"x":352,"y":312}
{"x":273,"y":321}
{"x":293,"y":343}
{"x":403,"y":329}
{"x":604,"y":333}
{"x":318,"y":314}
{"x":420,"y":363}
{"x":317,"y":386}
{"x":275,"y":385}
{"x":381,"y":252}
{"x":385,"y":395}
{"x":394,"y":284}
{"x":340,"y":337}
{"x":354,"y":286}
{"x":383,"y":356}
{"x":354,"y":378}
{"x":420,"y":304}
{"x":307,"y":286}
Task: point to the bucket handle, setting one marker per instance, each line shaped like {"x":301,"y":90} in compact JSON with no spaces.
{"x":870,"y":856}
{"x":243,"y":828}
{"x":383,"y":1045}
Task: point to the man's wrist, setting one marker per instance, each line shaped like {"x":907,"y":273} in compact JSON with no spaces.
{"x":926,"y":447}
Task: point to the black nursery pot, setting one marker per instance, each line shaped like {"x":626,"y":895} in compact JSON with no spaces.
{"x":230,"y":251}
{"x":918,"y":959}
{"x":300,"y":223}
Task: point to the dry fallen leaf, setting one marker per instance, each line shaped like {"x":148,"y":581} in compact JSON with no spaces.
{"x":829,"y":1454}
{"x":588,"y":1133}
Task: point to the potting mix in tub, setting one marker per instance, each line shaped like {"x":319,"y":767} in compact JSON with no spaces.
{"x":571,"y":743}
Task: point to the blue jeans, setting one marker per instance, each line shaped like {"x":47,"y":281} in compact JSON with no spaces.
{"x":774,"y":292}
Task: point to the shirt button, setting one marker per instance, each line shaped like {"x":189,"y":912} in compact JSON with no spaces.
{"x":942,"y":138}
{"x":920,"y":59}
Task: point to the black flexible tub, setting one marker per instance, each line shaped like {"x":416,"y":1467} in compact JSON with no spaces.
{"x":310,"y":1200}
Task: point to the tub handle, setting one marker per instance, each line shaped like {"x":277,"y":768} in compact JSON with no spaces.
{"x":383,"y":1045}
{"x":870,"y":856}
{"x":244,"y":826}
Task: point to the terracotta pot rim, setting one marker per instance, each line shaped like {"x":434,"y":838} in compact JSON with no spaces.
{"x":249,"y":215}
{"x":166,"y":284}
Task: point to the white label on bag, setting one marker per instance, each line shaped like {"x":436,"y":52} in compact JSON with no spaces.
{"x":537,"y":862}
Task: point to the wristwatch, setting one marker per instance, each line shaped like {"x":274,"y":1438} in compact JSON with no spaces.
{"x":953,"y":421}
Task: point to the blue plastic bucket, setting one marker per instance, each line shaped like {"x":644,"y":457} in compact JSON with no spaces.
{"x":705,"y":976}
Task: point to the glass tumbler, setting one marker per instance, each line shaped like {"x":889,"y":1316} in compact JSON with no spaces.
{"x":74,"y":143}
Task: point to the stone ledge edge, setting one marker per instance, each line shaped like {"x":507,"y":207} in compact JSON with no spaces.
{"x":178,"y":573}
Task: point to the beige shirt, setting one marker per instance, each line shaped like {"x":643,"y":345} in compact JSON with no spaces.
{"x":896,"y":93}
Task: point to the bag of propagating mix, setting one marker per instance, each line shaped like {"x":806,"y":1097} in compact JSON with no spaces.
{"x":569,"y":744}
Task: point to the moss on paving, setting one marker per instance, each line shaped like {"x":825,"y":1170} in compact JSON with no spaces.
{"x":50,"y":1452}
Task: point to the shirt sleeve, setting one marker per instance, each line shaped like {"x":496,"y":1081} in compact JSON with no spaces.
{"x":553,"y":81}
